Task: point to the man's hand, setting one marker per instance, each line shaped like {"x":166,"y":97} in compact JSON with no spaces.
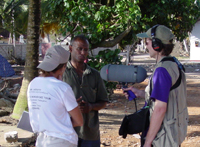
{"x":85,"y":107}
{"x":79,"y":100}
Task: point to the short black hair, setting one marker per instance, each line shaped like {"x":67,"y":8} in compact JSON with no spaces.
{"x":80,"y":37}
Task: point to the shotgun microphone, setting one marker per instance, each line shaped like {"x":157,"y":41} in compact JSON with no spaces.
{"x":123,"y":73}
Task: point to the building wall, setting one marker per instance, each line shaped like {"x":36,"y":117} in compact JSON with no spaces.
{"x":95,"y":51}
{"x":195,"y":42}
{"x":19,"y":51}
{"x":8,"y":51}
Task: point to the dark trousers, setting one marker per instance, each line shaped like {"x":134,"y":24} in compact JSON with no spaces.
{"x":88,"y":143}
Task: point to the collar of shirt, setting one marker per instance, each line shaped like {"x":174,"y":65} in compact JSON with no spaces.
{"x":86,"y":71}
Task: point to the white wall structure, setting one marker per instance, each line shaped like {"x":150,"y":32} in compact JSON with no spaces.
{"x":19,"y":51}
{"x":98,"y":49}
{"x":8,"y":50}
{"x":195,"y":42}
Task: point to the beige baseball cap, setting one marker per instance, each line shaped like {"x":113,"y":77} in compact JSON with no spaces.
{"x":162,"y":32}
{"x":54,"y":56}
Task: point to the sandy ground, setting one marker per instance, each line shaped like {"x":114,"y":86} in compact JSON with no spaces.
{"x":112,"y":115}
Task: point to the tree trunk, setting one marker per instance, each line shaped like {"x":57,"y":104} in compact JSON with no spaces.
{"x":32,"y":54}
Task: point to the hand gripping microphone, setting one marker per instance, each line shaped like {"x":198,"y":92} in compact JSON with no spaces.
{"x":130,"y":93}
{"x":124,"y":74}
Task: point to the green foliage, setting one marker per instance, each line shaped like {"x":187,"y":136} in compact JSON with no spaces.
{"x":103,"y":58}
{"x":103,"y":21}
{"x":178,"y":15}
{"x":14,"y":11}
{"x":99,"y":21}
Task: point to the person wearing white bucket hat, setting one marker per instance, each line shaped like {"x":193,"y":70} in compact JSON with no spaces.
{"x":53,"y":109}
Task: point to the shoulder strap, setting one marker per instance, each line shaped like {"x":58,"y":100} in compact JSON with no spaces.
{"x":178,"y":82}
{"x":180,"y":67}
{"x":174,"y":59}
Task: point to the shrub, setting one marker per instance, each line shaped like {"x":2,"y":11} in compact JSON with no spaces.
{"x":103,"y":58}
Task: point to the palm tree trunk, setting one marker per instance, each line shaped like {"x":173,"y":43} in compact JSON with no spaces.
{"x":32,"y":54}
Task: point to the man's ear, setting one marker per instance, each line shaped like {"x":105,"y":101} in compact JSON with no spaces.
{"x":70,"y":48}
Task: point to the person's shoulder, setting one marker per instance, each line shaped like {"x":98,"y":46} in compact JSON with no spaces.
{"x":93,"y":69}
{"x":36,"y":79}
{"x":93,"y":72}
{"x":69,"y":65}
{"x":65,"y":85}
{"x":168,"y":67}
{"x":168,"y":63}
{"x":161,"y":70}
{"x":168,"y":60}
{"x":61,"y":84}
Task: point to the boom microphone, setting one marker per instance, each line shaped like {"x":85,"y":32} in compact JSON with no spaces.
{"x":123,"y":73}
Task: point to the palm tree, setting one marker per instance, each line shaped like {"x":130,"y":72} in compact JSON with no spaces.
{"x":30,"y":70}
{"x":14,"y":14}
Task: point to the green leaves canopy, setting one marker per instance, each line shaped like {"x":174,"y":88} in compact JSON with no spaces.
{"x":179,"y":15}
{"x":14,"y":10}
{"x":109,"y":22}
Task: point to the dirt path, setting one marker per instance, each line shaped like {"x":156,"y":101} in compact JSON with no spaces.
{"x":111,"y":117}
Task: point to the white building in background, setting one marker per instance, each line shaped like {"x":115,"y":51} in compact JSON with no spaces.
{"x":195,"y":42}
{"x":21,"y":39}
{"x":95,"y":51}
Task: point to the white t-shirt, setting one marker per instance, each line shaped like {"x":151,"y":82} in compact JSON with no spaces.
{"x":49,"y":101}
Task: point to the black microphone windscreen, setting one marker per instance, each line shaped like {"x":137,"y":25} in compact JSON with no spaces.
{"x":123,"y":73}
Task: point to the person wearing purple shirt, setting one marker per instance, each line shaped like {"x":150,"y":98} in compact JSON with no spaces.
{"x":160,"y":90}
{"x":165,"y":102}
